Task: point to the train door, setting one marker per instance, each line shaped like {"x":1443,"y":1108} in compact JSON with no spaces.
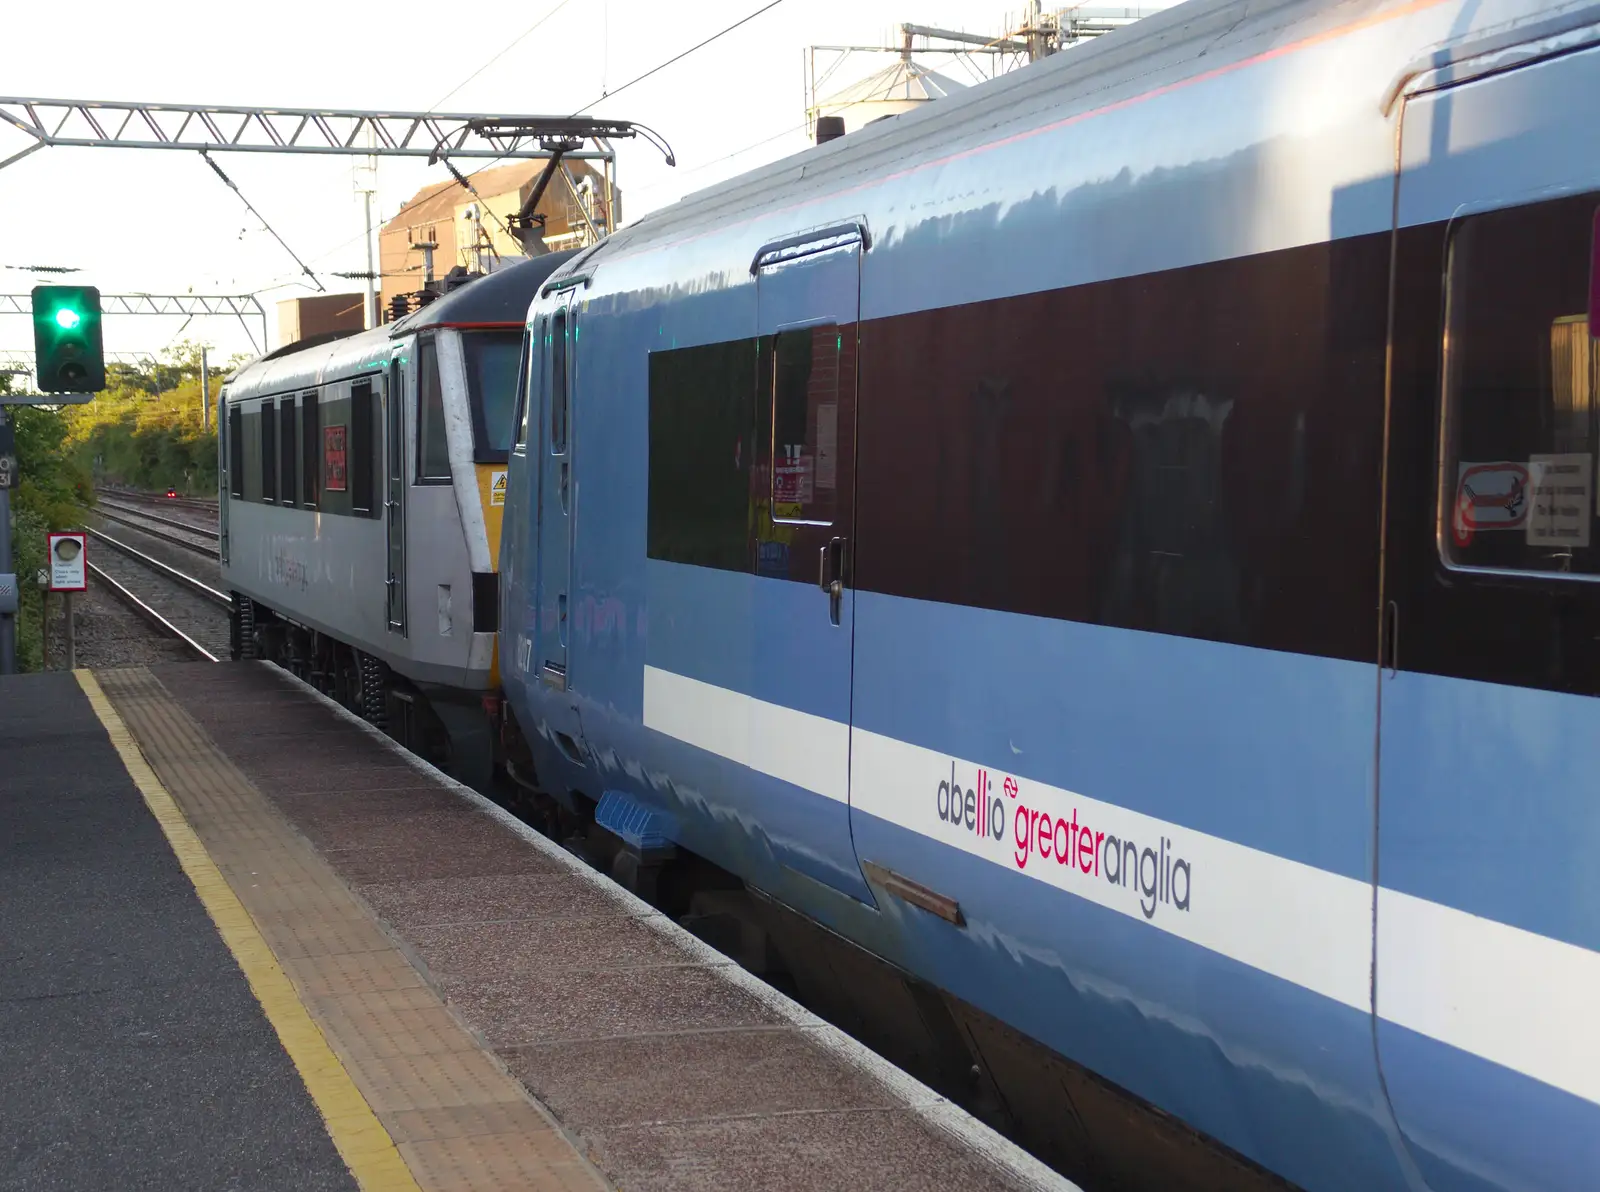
{"x":1488,"y":914}
{"x":553,"y":558}
{"x":225,"y":471}
{"x":807,"y":307}
{"x":519,"y":526}
{"x":394,"y":510}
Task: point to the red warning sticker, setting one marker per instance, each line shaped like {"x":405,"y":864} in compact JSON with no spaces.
{"x":1489,"y":496}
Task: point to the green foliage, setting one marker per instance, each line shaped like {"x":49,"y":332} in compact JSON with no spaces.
{"x":146,"y":430}
{"x":51,"y":495}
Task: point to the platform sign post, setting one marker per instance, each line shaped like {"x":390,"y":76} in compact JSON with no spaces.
{"x":69,"y":572}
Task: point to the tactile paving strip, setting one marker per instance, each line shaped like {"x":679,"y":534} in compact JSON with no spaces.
{"x":670,"y":1066}
{"x":457,"y":1117}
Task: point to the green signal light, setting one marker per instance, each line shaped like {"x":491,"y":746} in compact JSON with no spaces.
{"x":67,"y":318}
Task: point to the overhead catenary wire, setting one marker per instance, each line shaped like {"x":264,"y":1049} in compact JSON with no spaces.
{"x":511,"y":45}
{"x":304,"y":268}
{"x":680,"y":57}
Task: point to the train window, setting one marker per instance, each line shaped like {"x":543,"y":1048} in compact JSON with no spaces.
{"x":558,"y":384}
{"x":1517,"y":486}
{"x":287,"y":440}
{"x":805,"y":425}
{"x":235,"y":450}
{"x":492,"y":359}
{"x":310,"y":449}
{"x":527,"y":381}
{"x":701,"y":424}
{"x":269,"y":454}
{"x":433,"y":452}
{"x":362,"y":447}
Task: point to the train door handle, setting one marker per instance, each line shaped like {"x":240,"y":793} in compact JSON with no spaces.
{"x":830,"y":575}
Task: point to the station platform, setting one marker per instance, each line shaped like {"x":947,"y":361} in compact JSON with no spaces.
{"x":248,"y":942}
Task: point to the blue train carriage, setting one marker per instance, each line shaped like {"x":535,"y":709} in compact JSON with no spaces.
{"x":363,"y":481}
{"x":1117,"y":547}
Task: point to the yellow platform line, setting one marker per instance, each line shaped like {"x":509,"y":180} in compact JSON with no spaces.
{"x":362,"y":1141}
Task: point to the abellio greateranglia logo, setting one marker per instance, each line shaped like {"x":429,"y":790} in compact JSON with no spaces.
{"x":1156,"y":876}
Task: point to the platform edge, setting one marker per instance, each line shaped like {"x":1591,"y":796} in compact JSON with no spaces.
{"x":363,"y":1143}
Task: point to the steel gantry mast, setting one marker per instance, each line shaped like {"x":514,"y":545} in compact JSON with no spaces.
{"x":216,"y":128}
{"x":100,"y":124}
{"x":239,"y":305}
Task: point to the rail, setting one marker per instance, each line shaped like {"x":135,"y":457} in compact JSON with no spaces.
{"x":149,"y":614}
{"x":209,"y":552}
{"x":172,"y":573}
{"x":203,"y":531}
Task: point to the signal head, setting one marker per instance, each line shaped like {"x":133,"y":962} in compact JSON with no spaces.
{"x":68,"y":354}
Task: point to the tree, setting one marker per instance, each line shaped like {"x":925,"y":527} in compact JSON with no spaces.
{"x":51,"y":494}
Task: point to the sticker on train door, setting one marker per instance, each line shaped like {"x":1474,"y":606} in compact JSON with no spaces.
{"x":1558,"y":489}
{"x":1489,"y":496}
{"x":497,"y":487}
{"x":792,"y":476}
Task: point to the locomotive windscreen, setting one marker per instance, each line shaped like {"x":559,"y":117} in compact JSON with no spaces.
{"x":491,"y":360}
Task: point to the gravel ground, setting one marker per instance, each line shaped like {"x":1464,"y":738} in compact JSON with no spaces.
{"x":204,"y":568}
{"x":113,"y":519}
{"x":199,"y":518}
{"x":109,"y":634}
{"x":201,"y":619}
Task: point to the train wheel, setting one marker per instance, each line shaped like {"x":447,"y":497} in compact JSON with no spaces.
{"x":244,"y":629}
{"x":372,"y":678}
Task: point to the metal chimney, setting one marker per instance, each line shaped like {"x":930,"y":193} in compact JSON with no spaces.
{"x":829,"y":128}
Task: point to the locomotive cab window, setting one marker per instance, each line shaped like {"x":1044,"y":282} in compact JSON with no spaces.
{"x":527,"y":383}
{"x":1517,"y":485}
{"x":805,"y":425}
{"x":433,"y":452}
{"x":493,"y":360}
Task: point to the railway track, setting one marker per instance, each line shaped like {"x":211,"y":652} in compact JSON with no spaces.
{"x":200,"y":539}
{"x":199,"y":504}
{"x":156,"y":518}
{"x":173,"y":602}
{"x":147,"y":613}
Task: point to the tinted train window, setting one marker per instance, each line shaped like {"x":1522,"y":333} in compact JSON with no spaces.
{"x":433,"y":452}
{"x":805,"y":425}
{"x":286,"y":449}
{"x":235,"y":450}
{"x":702,"y":423}
{"x":558,"y":384}
{"x":528,"y":382}
{"x":492,"y":359}
{"x":310,"y":447}
{"x":269,"y":454}
{"x":1517,"y":490}
{"x":362,"y":447}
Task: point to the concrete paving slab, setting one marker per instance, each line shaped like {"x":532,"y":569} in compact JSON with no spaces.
{"x":132,"y":1052}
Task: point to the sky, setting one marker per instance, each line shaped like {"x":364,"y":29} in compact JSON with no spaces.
{"x":162,"y":222}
